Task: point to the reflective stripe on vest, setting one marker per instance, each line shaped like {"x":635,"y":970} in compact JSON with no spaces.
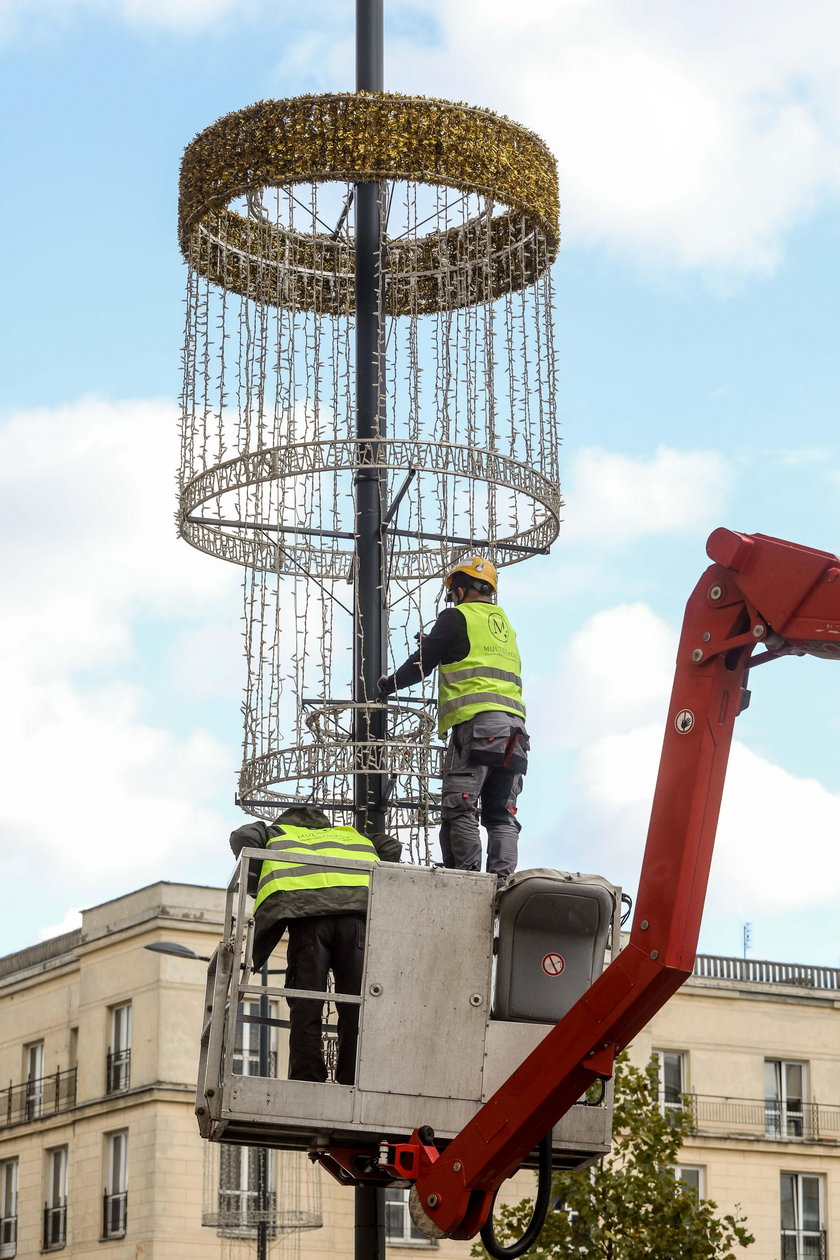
{"x":297,"y":874}
{"x":483,"y":671}
{"x":489,"y":675}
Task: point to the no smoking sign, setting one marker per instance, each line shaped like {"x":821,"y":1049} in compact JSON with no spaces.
{"x":553,"y":964}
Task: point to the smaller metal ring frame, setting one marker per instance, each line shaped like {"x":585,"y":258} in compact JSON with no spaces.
{"x":366,"y":138}
{"x":326,"y":768}
{"x":329,"y":720}
{"x":326,"y":772}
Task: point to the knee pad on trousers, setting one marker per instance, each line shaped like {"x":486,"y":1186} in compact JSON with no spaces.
{"x":492,"y":818}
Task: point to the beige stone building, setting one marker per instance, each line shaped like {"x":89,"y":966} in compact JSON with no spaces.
{"x":100,"y":1156}
{"x":755,"y":1048}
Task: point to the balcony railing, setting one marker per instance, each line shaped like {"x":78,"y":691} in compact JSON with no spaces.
{"x":8,"y":1235}
{"x":803,"y":1244}
{"x":55,"y":1227}
{"x":114,"y":1214}
{"x":763,"y":1118}
{"x":240,"y":1211}
{"x":117,"y":1071}
{"x":36,"y":1098}
{"x":758,"y":971}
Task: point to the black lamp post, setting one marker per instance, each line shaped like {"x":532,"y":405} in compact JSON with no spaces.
{"x":370,"y":631}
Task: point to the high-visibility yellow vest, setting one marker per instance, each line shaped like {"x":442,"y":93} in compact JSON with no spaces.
{"x":296,"y":875}
{"x":488,"y":676}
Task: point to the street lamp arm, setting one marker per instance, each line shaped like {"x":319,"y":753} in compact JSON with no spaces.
{"x":177,"y":951}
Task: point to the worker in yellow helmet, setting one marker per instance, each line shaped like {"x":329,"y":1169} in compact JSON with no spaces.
{"x":473,"y":647}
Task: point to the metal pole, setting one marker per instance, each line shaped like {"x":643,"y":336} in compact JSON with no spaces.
{"x":262,"y":1152}
{"x":369,"y":613}
{"x":370,"y":1223}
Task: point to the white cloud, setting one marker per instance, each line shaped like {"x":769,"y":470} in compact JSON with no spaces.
{"x":207,"y":661}
{"x":605,"y":704}
{"x":100,"y":604}
{"x":776,"y":845}
{"x":599,"y":713}
{"x":71,"y":921}
{"x":686,"y":135}
{"x":613,"y":674}
{"x":616,"y":499}
{"x":87,"y":493}
{"x":777,"y":840}
{"x":176,"y":15}
{"x":101,"y":797}
{"x":180,"y":13}
{"x":615,"y":779}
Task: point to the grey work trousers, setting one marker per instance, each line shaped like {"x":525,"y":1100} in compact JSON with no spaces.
{"x":472,"y":788}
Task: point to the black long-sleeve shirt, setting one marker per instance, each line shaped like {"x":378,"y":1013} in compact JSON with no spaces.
{"x":446,"y":642}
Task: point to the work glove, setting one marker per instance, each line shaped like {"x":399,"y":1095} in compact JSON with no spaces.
{"x":384,"y":687}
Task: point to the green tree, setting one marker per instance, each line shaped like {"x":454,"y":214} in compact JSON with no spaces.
{"x":630,"y":1206}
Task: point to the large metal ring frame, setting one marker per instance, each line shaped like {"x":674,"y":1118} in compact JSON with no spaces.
{"x":328,"y":558}
{"x":366,"y":138}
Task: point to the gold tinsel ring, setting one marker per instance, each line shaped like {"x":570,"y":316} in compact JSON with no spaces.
{"x":362,"y":138}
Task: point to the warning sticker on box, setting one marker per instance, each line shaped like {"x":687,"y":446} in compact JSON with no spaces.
{"x":554,"y":964}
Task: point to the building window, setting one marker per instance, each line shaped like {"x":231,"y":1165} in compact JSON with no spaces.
{"x":8,"y":1207}
{"x":115,"y":1198}
{"x":246,"y":1049}
{"x":119,"y":1053}
{"x":803,"y":1235}
{"x":34,"y":1070}
{"x":399,"y":1227}
{"x":692,"y":1177}
{"x":55,"y":1206}
{"x":671,"y":1080}
{"x":242,"y":1202}
{"x":784,"y":1098}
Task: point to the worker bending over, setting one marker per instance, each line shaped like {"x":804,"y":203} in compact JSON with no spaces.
{"x":325,"y":912}
{"x":473,"y":647}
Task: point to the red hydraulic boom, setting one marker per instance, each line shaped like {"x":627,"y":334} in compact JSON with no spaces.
{"x":759,"y":591}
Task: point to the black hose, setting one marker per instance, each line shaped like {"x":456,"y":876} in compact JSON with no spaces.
{"x":532,"y":1233}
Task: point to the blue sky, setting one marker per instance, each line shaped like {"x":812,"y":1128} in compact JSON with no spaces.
{"x":697,"y":293}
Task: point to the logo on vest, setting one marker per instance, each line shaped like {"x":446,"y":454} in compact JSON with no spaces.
{"x":498,"y":627}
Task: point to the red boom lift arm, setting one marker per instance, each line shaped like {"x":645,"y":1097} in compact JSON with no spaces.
{"x":759,"y":590}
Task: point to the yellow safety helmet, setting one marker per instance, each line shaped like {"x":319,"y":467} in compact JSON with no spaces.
{"x":477,"y":567}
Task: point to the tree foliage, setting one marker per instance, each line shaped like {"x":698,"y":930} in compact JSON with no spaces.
{"x":630,"y":1206}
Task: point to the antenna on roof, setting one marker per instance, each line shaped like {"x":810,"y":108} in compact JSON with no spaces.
{"x":746,"y":930}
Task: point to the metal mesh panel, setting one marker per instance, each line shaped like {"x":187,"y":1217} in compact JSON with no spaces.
{"x":233,"y":1202}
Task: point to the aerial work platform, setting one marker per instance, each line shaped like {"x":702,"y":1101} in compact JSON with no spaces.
{"x":460,"y":984}
{"x":430,"y":997}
